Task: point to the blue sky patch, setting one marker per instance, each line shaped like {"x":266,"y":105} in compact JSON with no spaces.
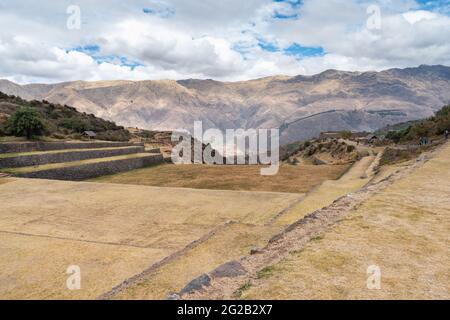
{"x":93,"y":50}
{"x":293,"y":15}
{"x":268,"y":46}
{"x":119,"y":60}
{"x":162,"y":13}
{"x":301,"y":51}
{"x":89,"y":49}
{"x":278,"y":15}
{"x":294,"y":49}
{"x":442,"y":6}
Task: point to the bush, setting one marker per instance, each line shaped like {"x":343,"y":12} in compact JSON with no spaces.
{"x":397,"y":136}
{"x":435,"y":125}
{"x":25,"y":123}
{"x":74,"y":124}
{"x":346,"y":134}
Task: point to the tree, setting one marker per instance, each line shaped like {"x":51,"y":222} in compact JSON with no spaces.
{"x":26,"y":122}
{"x":346,"y":134}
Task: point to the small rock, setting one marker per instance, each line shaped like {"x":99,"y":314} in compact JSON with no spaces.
{"x":231,"y":269}
{"x":197,"y":284}
{"x":173,"y":296}
{"x":255,"y":251}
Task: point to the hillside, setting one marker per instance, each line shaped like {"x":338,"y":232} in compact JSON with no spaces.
{"x":365,"y":101}
{"x":61,"y":121}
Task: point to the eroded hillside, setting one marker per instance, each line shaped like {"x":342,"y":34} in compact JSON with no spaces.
{"x":365,"y":101}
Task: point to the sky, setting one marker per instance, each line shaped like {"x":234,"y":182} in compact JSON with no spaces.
{"x":50,"y":41}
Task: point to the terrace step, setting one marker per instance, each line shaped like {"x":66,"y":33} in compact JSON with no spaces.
{"x":26,"y":159}
{"x":87,"y":169}
{"x":19,"y":147}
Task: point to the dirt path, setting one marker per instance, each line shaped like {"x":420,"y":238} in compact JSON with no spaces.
{"x":403,"y":183}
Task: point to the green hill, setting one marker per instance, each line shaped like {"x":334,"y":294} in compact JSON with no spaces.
{"x":60,"y":121}
{"x":431,"y":127}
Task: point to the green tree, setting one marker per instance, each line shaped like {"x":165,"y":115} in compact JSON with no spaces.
{"x":26,"y":122}
{"x":346,"y":134}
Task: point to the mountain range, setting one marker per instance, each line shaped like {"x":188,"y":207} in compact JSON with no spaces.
{"x":360,"y":101}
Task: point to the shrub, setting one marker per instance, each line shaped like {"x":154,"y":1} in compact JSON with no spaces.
{"x":25,"y":123}
{"x":346,"y":134}
{"x":397,"y":136}
{"x":74,"y":124}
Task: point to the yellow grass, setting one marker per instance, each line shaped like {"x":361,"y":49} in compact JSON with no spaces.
{"x":35,"y":267}
{"x":231,"y":243}
{"x":293,"y":179}
{"x":404,"y":230}
{"x":115,"y":231}
{"x":329,"y":191}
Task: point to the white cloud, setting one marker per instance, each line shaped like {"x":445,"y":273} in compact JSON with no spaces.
{"x":415,"y":16}
{"x":213,"y":39}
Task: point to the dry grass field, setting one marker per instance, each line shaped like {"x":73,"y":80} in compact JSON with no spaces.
{"x":404,"y":230}
{"x":116,"y":231}
{"x":239,"y":239}
{"x":160,"y":237}
{"x":291,"y":179}
{"x":230,"y":243}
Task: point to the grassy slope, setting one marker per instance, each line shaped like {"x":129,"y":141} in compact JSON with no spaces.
{"x":293,"y":179}
{"x":403,"y":230}
{"x":62,"y":121}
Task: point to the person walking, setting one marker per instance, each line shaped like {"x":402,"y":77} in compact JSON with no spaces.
{"x":447,"y":134}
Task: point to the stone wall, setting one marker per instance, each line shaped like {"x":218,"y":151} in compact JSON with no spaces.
{"x":93,"y":170}
{"x":65,"y":156}
{"x":18,"y":147}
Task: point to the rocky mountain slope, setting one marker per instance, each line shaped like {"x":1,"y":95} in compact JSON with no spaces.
{"x":364,"y":101}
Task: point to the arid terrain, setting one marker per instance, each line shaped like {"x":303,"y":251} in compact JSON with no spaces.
{"x":156,"y":239}
{"x":367,"y":100}
{"x":163,"y":236}
{"x":315,"y":240}
{"x":398,"y":224}
{"x":210,"y":158}
{"x":115,"y":231}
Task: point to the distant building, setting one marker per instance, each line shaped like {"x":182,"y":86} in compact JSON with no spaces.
{"x":90,"y":134}
{"x":373,"y":138}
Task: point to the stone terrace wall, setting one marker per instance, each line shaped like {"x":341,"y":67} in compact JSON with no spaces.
{"x":18,"y":147}
{"x":65,"y":156}
{"x":88,"y":171}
